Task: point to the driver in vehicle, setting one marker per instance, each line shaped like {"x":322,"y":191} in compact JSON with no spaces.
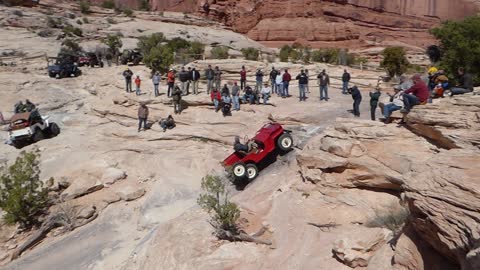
{"x":247,"y":148}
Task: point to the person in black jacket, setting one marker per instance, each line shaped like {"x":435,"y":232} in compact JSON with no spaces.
{"x":374,"y":102}
{"x":357,"y":99}
{"x":345,"y":80}
{"x":195,"y":79}
{"x":302,"y":85}
{"x":465,"y":83}
{"x":273,"y":77}
{"x":183,"y":77}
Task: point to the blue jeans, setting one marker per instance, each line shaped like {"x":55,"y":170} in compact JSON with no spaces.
{"x":409,"y":101}
{"x":302,"y":89}
{"x":128,"y":85}
{"x":324,"y":92}
{"x":140,"y":121}
{"x":236,"y":103}
{"x":265,"y":98}
{"x":258,"y":86}
{"x":345,"y":88}
{"x":279,"y":89}
{"x":285,"y":89}
{"x":274,"y":86}
{"x":459,"y":91}
{"x":155,"y":89}
{"x":389,"y":108}
{"x":137,"y":92}
{"x":216,"y":103}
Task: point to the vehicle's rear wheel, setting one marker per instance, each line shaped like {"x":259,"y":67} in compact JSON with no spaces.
{"x":53,"y":129}
{"x":18,"y":144}
{"x":239,"y":170}
{"x":252,"y":172}
{"x":38,"y":136}
{"x":285,"y":142}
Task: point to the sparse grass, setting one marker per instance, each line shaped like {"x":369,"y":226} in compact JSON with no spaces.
{"x":84,"y":7}
{"x":45,"y":33}
{"x":85,"y":20}
{"x":392,"y":217}
{"x":220,"y":52}
{"x":79,"y":22}
{"x":70,"y":31}
{"x":128,"y":12}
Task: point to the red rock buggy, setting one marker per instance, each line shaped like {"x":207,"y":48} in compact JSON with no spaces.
{"x":271,"y":139}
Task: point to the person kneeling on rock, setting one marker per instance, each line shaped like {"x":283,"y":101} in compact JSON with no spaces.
{"x":168,"y":123}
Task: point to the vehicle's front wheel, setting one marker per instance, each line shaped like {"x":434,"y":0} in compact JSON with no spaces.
{"x":252,"y":172}
{"x":239,"y":170}
{"x":285,"y":142}
{"x":53,"y":129}
{"x":18,"y":144}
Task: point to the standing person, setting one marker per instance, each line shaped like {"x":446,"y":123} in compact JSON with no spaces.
{"x":127,"y":74}
{"x":236,"y":96}
{"x":265,"y":93}
{"x":374,"y":97}
{"x":259,"y":80}
{"x":279,"y":84}
{"x":302,"y":85}
{"x":273,"y":78}
{"x":156,"y":81}
{"x":357,"y":99}
{"x":195,"y":80}
{"x":465,"y":83}
{"x":137,"y":84}
{"x":142,"y":116}
{"x":323,"y":82}
{"x":109,"y":58}
{"x":183,"y":77}
{"x":209,"y":75}
{"x":218,"y":77}
{"x":189,"y":81}
{"x":345,"y":80}
{"x":171,"y":82}
{"x":243,"y":77}
{"x":415,"y":95}
{"x":286,"y":81}
{"x":308,"y":81}
{"x":177,"y":100}
{"x":216,"y":98}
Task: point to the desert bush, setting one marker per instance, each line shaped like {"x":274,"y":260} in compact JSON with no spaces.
{"x":79,"y":22}
{"x":393,"y":218}
{"x":459,"y":46}
{"x":84,"y":7}
{"x":70,"y":47}
{"x":22,"y":195}
{"x":54,"y":23}
{"x":128,"y":12}
{"x":110,"y":4}
{"x":196,"y":49}
{"x":285,"y":53}
{"x":45,"y":33}
{"x":70,"y":31}
{"x":85,"y":20}
{"x":224,"y":214}
{"x":250,"y":53}
{"x":220,"y":52}
{"x":394,"y":61}
{"x":114,"y":43}
{"x":144,"y":5}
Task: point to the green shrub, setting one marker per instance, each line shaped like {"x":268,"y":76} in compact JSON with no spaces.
{"x":460,"y":46}
{"x":224,"y":214}
{"x":79,"y":22}
{"x":70,"y":31}
{"x":285,"y":53}
{"x":22,"y":195}
{"x":220,"y":52}
{"x":144,"y":5}
{"x":85,"y":20}
{"x":70,"y":47}
{"x":250,"y":53}
{"x":54,"y":23}
{"x":196,"y":49}
{"x":128,"y":12}
{"x":394,"y":61}
{"x":84,"y":7}
{"x":110,"y":4}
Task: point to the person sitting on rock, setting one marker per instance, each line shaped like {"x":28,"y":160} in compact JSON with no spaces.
{"x":226,"y":104}
{"x":167,"y":123}
{"x":415,"y":95}
{"x":396,"y":103}
{"x":249,"y":95}
{"x":441,"y":84}
{"x":265,"y":93}
{"x":29,"y":106}
{"x":465,"y":83}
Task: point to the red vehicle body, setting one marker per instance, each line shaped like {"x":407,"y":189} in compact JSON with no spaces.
{"x":270,"y":138}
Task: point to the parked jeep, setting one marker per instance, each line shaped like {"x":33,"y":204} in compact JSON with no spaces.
{"x":30,"y":127}
{"x":89,"y":59}
{"x":62,"y":68}
{"x":131,"y":56}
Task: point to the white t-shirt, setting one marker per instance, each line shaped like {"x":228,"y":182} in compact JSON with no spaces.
{"x":266,"y":90}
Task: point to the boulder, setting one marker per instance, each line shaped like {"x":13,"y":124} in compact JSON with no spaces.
{"x":86,"y":212}
{"x":82,"y":186}
{"x":356,"y":249}
{"x":130,"y":193}
{"x":111,"y":175}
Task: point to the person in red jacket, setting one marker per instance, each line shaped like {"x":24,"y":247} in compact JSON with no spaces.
{"x":417,"y":94}
{"x":286,"y":81}
{"x":243,"y":77}
{"x":216,"y":98}
{"x":137,"y":84}
{"x":171,"y":82}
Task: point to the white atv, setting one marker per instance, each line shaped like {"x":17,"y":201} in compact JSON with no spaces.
{"x":30,"y":127}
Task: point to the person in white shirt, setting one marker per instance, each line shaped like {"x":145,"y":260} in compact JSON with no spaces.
{"x":395,"y":104}
{"x":265,"y":93}
{"x":279,"y":83}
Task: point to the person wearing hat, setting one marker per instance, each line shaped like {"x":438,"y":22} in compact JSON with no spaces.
{"x":127,"y":74}
{"x":415,"y":95}
{"x":374,"y":97}
{"x":170,"y":81}
{"x":142,"y":116}
{"x":302,"y":85}
{"x":265,"y":93}
{"x":236,"y":96}
{"x":259,"y":79}
{"x":156,"y":82}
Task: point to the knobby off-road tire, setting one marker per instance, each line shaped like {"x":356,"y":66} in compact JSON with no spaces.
{"x":285,"y":142}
